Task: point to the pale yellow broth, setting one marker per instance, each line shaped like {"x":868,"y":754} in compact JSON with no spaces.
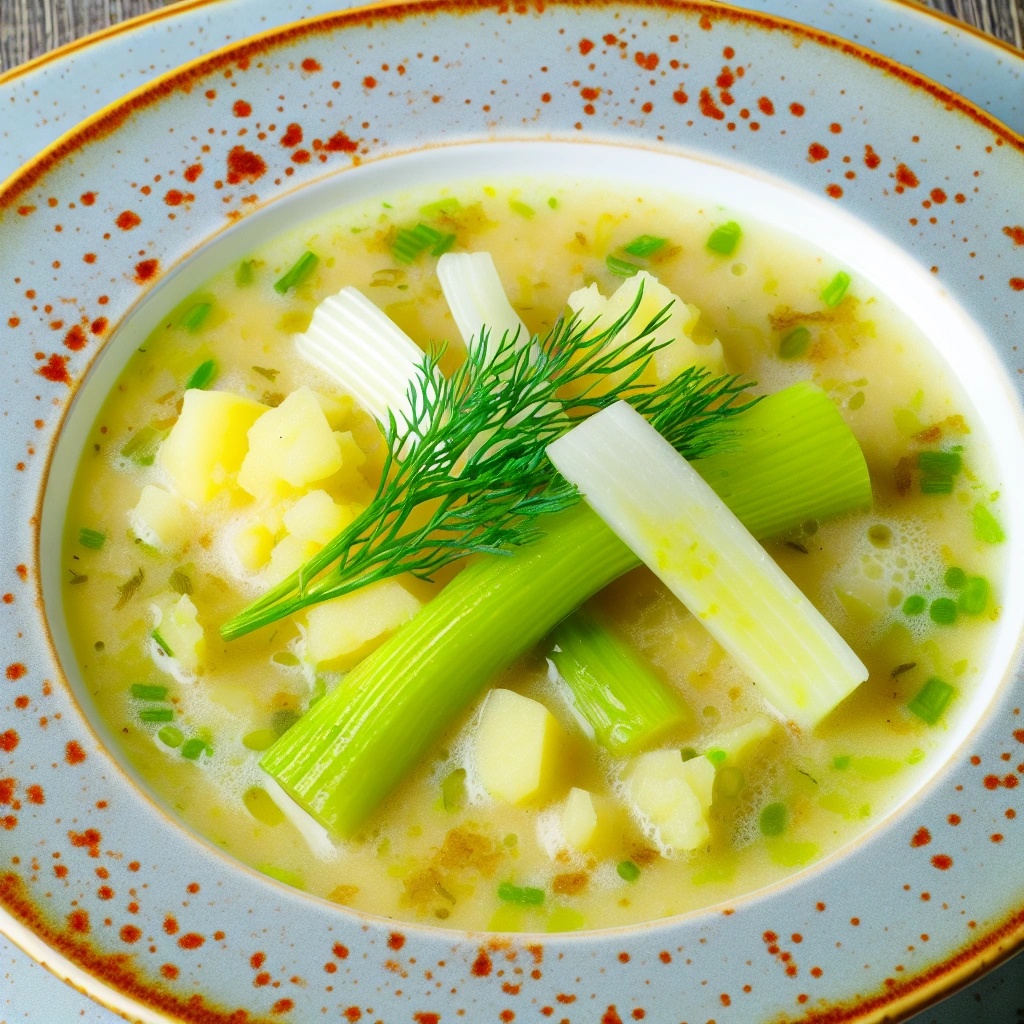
{"x":415,"y":860}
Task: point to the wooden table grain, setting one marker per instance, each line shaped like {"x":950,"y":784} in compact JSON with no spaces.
{"x":29,"y":28}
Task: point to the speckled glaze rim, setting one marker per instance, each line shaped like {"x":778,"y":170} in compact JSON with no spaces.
{"x":713,"y":14}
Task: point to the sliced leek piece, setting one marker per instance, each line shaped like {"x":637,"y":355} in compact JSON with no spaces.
{"x":477,"y":299}
{"x":660,"y":507}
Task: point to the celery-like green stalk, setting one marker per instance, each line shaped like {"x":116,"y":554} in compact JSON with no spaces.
{"x":347,"y":754}
{"x":613,"y":690}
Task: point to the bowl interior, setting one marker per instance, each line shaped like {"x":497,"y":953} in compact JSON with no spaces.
{"x":957,"y":340}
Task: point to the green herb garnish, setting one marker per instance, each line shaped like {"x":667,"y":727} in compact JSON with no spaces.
{"x":447,"y":205}
{"x":986,"y":526}
{"x":773,"y":819}
{"x":156,"y":715}
{"x":942,"y":611}
{"x":161,"y":643}
{"x":842,"y":762}
{"x":955,"y":577}
{"x":725,"y":238}
{"x":938,"y":470}
{"x":142,"y":446}
{"x":194,"y":747}
{"x":300,"y":270}
{"x":794,"y":344}
{"x":973,"y":598}
{"x":180,"y":582}
{"x":644,"y":246}
{"x":245,"y":273}
{"x":914,"y":605}
{"x":523,"y":896}
{"x":835,"y":290}
{"x":92,"y":539}
{"x":202,"y":376}
{"x":195,"y":316}
{"x":521,"y":208}
{"x":267,"y":371}
{"x":409,"y":243}
{"x":628,"y":871}
{"x":170,"y":735}
{"x":932,"y":700}
{"x":127,"y":590}
{"x":144,"y":691}
{"x":621,"y":268}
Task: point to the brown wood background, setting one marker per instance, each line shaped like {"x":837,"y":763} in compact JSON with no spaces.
{"x":31,"y":27}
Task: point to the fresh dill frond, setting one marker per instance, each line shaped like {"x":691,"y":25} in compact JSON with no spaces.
{"x":466,"y":470}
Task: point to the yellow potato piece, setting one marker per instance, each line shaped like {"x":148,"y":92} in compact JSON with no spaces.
{"x":742,"y":741}
{"x":519,"y":747}
{"x":253,"y":545}
{"x":347,"y":626}
{"x":205,"y":448}
{"x":317,"y":517}
{"x":161,"y":519}
{"x":288,"y":555}
{"x":290,"y":447}
{"x":674,"y":795}
{"x":177,"y":631}
{"x":579,"y":819}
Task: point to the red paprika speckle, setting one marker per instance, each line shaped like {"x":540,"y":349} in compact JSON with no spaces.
{"x":835,"y":191}
{"x":1010,"y":781}
{"x":300,"y":156}
{"x":816,"y":152}
{"x":369,"y":82}
{"x":340,"y":951}
{"x":244,"y":165}
{"x":726,"y":1001}
{"x":73,"y":752}
{"x":175,"y":197}
{"x":565,"y":998}
{"x":146,"y":271}
{"x":353,"y":1013}
{"x":339,"y":142}
{"x":648,"y":61}
{"x":293,"y":136}
{"x":766,"y":106}
{"x":906,"y":177}
{"x":481,"y":966}
{"x":797,"y":109}
{"x":1017,"y":284}
{"x":169,"y":971}
{"x":171,"y":925}
{"x":938,"y":196}
{"x":89,"y":257}
{"x":241,"y":108}
{"x":9,"y":822}
{"x":282,"y":1006}
{"x":680,"y":97}
{"x":991,"y":782}
{"x":426,"y":1018}
{"x":589,"y":93}
{"x":623,"y":958}
{"x":609,"y":39}
{"x":639,"y":1013}
{"x":35,"y":795}
{"x":105,"y":892}
{"x":7,"y":787}
{"x":507,"y":1016}
{"x":996,"y":837}
{"x":13,"y":321}
{"x":8,"y":741}
{"x":16,"y":671}
{"x":835,"y":128}
{"x":260,"y":980}
{"x":20,"y":702}
{"x":922,"y":837}
{"x":1016,"y":235}
{"x":257,"y":960}
{"x":192,"y":172}
{"x":726,"y":79}
{"x":127,"y":219}
{"x":78,"y":921}
{"x":545,"y":97}
{"x":611,"y":1016}
{"x":942,"y":861}
{"x":309,"y":64}
{"x":396,"y":940}
{"x":647,"y":107}
{"x":99,"y":325}
{"x":129,"y":933}
{"x":192,"y":888}
{"x":75,"y":339}
{"x":705,"y":24}
{"x":586,"y":46}
{"x":87,"y":198}
{"x":191,"y":940}
{"x":708,"y":108}
{"x":665,"y":956}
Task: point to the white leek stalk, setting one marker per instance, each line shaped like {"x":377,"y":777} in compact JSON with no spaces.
{"x":660,"y":507}
{"x":358,"y":346}
{"x":477,"y":300}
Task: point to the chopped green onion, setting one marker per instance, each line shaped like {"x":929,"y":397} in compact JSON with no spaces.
{"x":202,"y":376}
{"x":937,"y":485}
{"x":835,"y":290}
{"x":521,"y":208}
{"x":717,"y":756}
{"x":522,"y":896}
{"x":974,"y":597}
{"x":447,"y":241}
{"x":447,"y":205}
{"x":621,"y":268}
{"x":161,"y":643}
{"x":932,"y":700}
{"x":453,"y":790}
{"x":842,"y":762}
{"x":628,"y":871}
{"x":914,"y":605}
{"x":943,"y":611}
{"x":245,"y":273}
{"x":170,"y":735}
{"x":410,"y":243}
{"x":156,"y":715}
{"x":142,"y":447}
{"x":986,"y":526}
{"x":92,"y":539}
{"x":143,"y":691}
{"x":194,"y":317}
{"x":955,"y":577}
{"x":725,"y":238}
{"x":794,"y":344}
{"x":193,"y":748}
{"x":613,"y":690}
{"x":938,"y":470}
{"x":644,"y":246}
{"x":773,"y":819}
{"x":553,"y":203}
{"x":687,"y":753}
{"x":300,"y":270}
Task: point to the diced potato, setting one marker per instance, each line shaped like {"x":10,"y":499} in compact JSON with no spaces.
{"x":344,"y":629}
{"x":290,"y":447}
{"x":317,"y":517}
{"x":288,"y":555}
{"x":177,"y":631}
{"x":674,"y":795}
{"x":338,"y":411}
{"x":519,"y":747}
{"x":205,"y":448}
{"x":669,"y":361}
{"x":579,"y":819}
{"x":740,"y":742}
{"x":253,"y":545}
{"x":161,"y":519}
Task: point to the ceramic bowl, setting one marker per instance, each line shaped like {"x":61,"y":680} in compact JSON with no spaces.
{"x":913,"y":186}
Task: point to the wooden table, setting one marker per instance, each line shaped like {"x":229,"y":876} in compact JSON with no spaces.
{"x":31,"y":27}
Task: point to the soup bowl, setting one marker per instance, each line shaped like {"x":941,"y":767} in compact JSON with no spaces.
{"x":908,"y":184}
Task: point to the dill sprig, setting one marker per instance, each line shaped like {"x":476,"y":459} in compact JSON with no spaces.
{"x":466,"y":470}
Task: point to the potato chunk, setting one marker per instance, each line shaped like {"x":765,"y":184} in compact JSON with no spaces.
{"x":253,"y":545}
{"x":317,"y":517}
{"x":288,"y":555}
{"x":519,"y":748}
{"x":579,"y":819}
{"x":205,"y":448}
{"x":344,"y":629}
{"x":161,"y":519}
{"x":290,"y":447}
{"x":736,"y":745}
{"x":674,"y":795}
{"x":177,"y":631}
